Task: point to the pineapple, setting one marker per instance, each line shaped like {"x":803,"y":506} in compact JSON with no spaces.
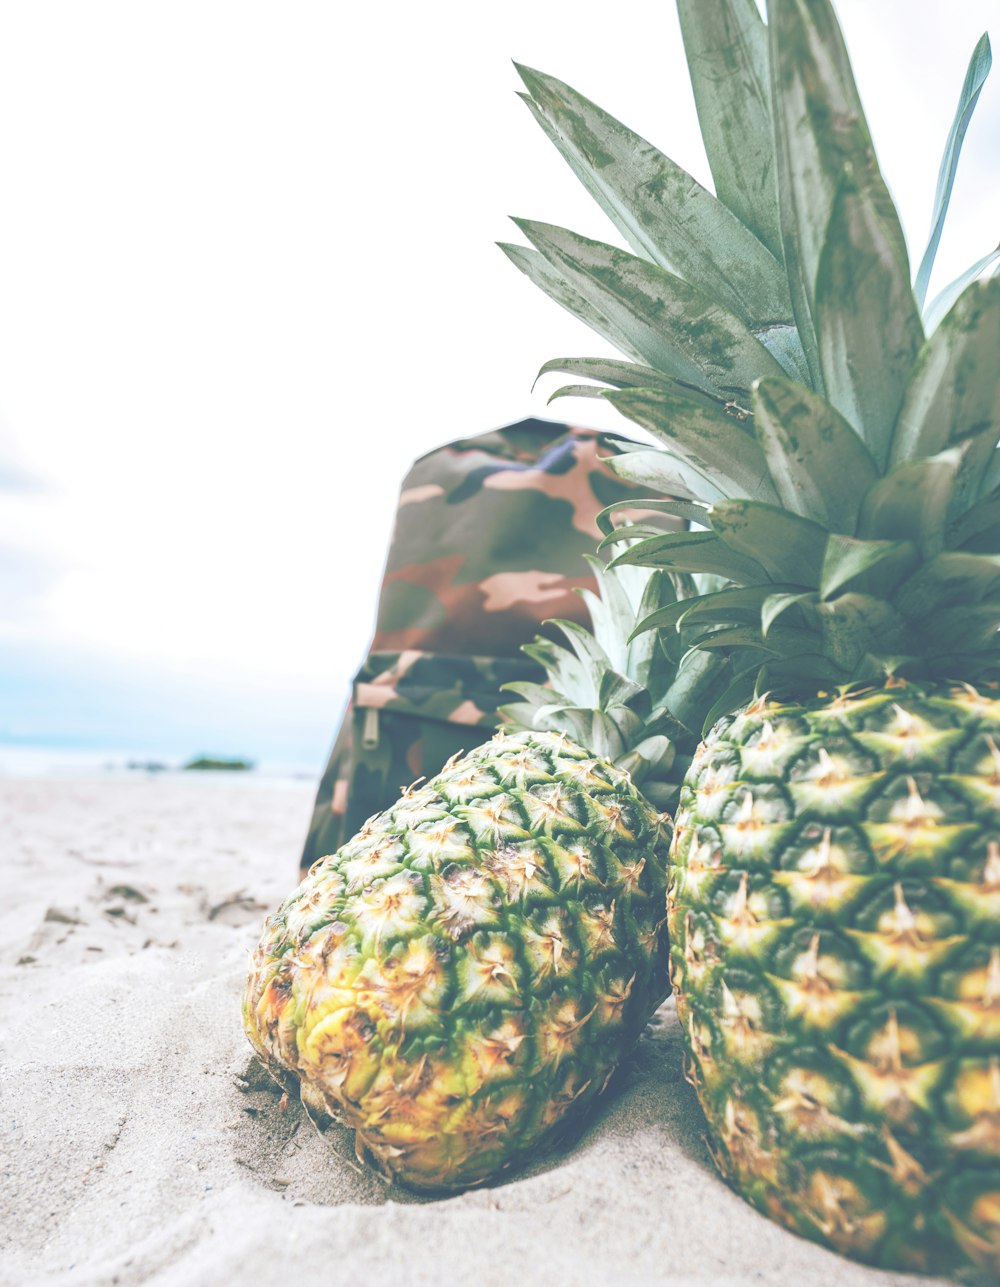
{"x":460,"y":979}
{"x":834,"y":894}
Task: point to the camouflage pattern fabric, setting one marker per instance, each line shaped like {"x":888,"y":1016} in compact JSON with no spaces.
{"x":489,"y":543}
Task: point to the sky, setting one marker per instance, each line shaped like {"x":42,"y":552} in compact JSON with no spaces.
{"x":248,"y":274}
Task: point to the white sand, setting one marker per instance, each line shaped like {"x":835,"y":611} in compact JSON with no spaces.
{"x":140,"y":1144}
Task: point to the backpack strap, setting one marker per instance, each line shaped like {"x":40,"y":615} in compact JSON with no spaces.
{"x":408,"y":714}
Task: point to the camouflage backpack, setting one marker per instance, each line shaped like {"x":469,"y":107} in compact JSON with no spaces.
{"x":489,"y":543}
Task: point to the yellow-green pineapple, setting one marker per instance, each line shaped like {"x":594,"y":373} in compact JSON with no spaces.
{"x":835,"y":881}
{"x":463,"y":976}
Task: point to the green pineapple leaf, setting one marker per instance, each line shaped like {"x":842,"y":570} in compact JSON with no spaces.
{"x":857,"y":625}
{"x":966,"y":628}
{"x":820,"y":130}
{"x":692,"y":552}
{"x":954,"y":578}
{"x":611,"y":613}
{"x":991,"y":476}
{"x":657,"y":750}
{"x":661,"y":472}
{"x":562,"y":666}
{"x":620,"y":375}
{"x":740,"y":604}
{"x":575,"y":391}
{"x":867,"y":323}
{"x":697,"y":674}
{"x":877,"y":565}
{"x":648,"y":659}
{"x":538,"y":270}
{"x":782,"y":642}
{"x":785,"y":346}
{"x":690,"y":511}
{"x":740,"y":693}
{"x":978,"y":525}
{"x":618,"y":690}
{"x":662,"y":212}
{"x":790,"y":548}
{"x":953,"y":395}
{"x":945,"y":298}
{"x":672,"y":325}
{"x":726,"y":48}
{"x":704,"y":435}
{"x":777,"y":603}
{"x":975,"y":78}
{"x":913,"y":502}
{"x":819,"y":465}
{"x":593,"y":660}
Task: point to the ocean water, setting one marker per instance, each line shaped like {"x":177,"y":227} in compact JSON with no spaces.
{"x":28,"y":761}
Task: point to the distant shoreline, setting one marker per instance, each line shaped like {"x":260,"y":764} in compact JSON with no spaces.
{"x":39,"y":760}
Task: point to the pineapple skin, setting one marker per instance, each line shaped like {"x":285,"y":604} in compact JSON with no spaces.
{"x":834,"y":910}
{"x":462,"y":977}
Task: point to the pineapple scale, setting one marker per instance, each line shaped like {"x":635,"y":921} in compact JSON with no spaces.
{"x":834,"y":910}
{"x":464,"y":975}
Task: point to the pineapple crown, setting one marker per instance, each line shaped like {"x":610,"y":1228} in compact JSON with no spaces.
{"x":832,"y":441}
{"x":637,"y":698}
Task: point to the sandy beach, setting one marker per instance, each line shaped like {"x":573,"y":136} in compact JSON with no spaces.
{"x":142,"y":1143}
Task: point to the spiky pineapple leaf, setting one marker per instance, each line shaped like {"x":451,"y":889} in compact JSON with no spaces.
{"x":575,"y":391}
{"x":867,"y":324}
{"x":611,"y":613}
{"x":790,"y":548}
{"x":704,"y":435}
{"x":592,"y":657}
{"x":964,"y":629}
{"x":979,"y":524}
{"x":697,"y":674}
{"x":855,"y":625}
{"x":820,"y":130}
{"x":564,"y":670}
{"x":870,"y":563}
{"x":618,"y":690}
{"x":912,"y":502}
{"x":945,"y":298}
{"x":661,"y":472}
{"x":648,"y":659}
{"x":635,"y":532}
{"x":953,"y":395}
{"x":658,"y":751}
{"x":985,"y":541}
{"x":621,"y":375}
{"x":953,"y":579}
{"x":782,"y":642}
{"x":975,"y":78}
{"x":776,"y":604}
{"x":692,"y":338}
{"x":819,"y":465}
{"x":991,"y":476}
{"x":785,"y":345}
{"x":593,"y":730}
{"x":662,"y":212}
{"x":536,"y":696}
{"x":740,"y":693}
{"x":726,"y":48}
{"x":538,"y":270}
{"x":693,"y":552}
{"x":689,"y":511}
{"x":740,"y":604}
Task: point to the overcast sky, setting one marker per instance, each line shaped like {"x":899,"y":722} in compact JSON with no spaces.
{"x":247,"y":273}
